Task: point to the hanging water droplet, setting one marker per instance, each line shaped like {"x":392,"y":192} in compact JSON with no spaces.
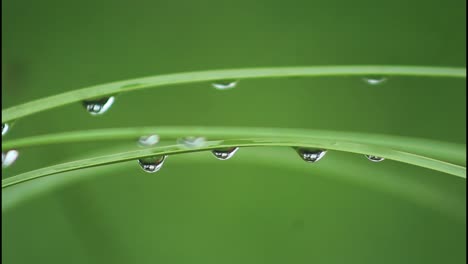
{"x":224,"y":153}
{"x":152,"y":164}
{"x":311,"y":155}
{"x":374,"y":158}
{"x":192,"y":142}
{"x":98,"y":106}
{"x":375,"y":80}
{"x":146,"y":141}
{"x":9,"y":157}
{"x":5,"y":128}
{"x":225,"y":85}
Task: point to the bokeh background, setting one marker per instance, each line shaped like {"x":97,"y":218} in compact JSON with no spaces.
{"x":265,"y":205}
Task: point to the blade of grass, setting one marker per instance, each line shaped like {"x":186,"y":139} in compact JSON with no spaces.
{"x":449,"y":152}
{"x":405,"y":184}
{"x":329,"y":144}
{"x":96,"y":91}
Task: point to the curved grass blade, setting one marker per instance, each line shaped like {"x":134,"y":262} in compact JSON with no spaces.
{"x":102,"y":90}
{"x":449,"y":152}
{"x":406,"y":184}
{"x":347,"y":146}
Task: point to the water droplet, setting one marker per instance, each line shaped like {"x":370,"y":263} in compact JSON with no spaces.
{"x":311,"y":155}
{"x":225,"y":85}
{"x":225,"y":153}
{"x":98,"y":106}
{"x":152,"y":164}
{"x":146,"y":141}
{"x":9,"y":157}
{"x":192,"y":142}
{"x":5,"y":128}
{"x":374,"y":158}
{"x":375,"y":80}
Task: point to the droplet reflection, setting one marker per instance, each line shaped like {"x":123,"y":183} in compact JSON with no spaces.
{"x":9,"y":157}
{"x":5,"y":128}
{"x":225,"y":153}
{"x":374,"y":158}
{"x":98,"y":106}
{"x":152,"y":164}
{"x":146,"y":141}
{"x":192,"y":142}
{"x":224,"y":85}
{"x":311,"y":155}
{"x":375,"y":80}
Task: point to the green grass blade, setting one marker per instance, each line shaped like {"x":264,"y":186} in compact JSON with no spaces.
{"x":360,"y":147}
{"x":449,"y":152}
{"x":54,"y":101}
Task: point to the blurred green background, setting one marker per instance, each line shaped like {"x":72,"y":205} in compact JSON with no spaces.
{"x":265,"y":205}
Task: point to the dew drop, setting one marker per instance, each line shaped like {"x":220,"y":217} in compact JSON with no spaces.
{"x":152,"y":164}
{"x":192,"y":142}
{"x":225,"y":85}
{"x":9,"y":157}
{"x":5,"y":128}
{"x":375,"y":80}
{"x":311,"y":155}
{"x":146,"y":141}
{"x":224,"y":153}
{"x":98,"y":106}
{"x":374,"y":158}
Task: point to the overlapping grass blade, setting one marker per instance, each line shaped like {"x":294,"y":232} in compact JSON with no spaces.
{"x":444,"y":157}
